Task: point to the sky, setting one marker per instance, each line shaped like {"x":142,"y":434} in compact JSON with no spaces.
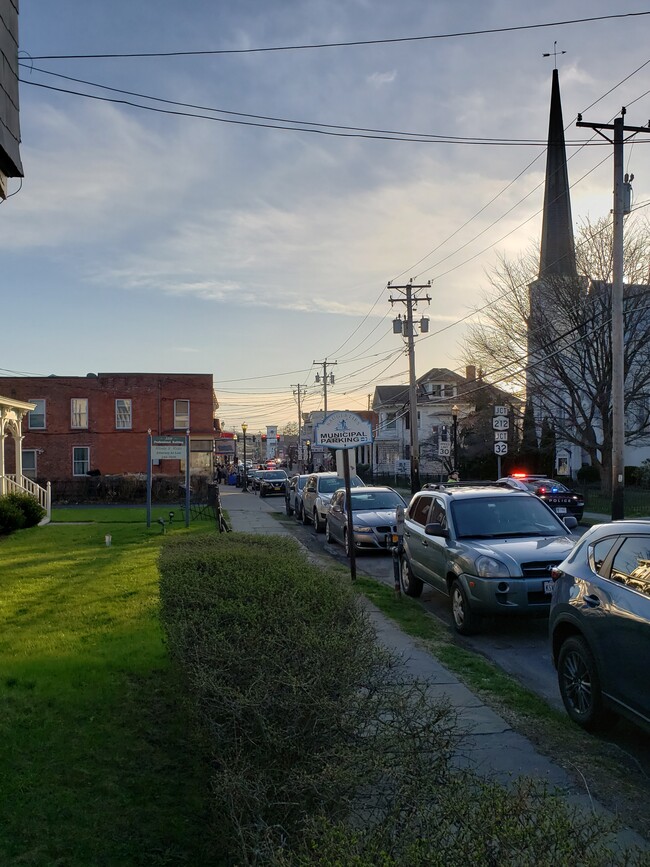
{"x":170,"y":221}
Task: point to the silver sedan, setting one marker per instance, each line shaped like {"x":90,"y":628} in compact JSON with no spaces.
{"x":373,"y":518}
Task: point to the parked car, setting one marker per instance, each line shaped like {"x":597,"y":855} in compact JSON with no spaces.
{"x":561,"y":499}
{"x":316,"y":496}
{"x":293,"y":493}
{"x":373,"y":518}
{"x":489,"y":547}
{"x":251,"y":479}
{"x":599,"y":625}
{"x":269,"y":482}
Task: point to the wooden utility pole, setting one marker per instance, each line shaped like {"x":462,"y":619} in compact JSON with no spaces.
{"x":411,"y":300}
{"x":299,"y":393}
{"x":618,"y":321}
{"x":325,"y":364}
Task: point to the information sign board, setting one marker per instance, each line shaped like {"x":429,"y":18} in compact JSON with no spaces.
{"x":343,"y":430}
{"x":500,"y":422}
{"x":501,"y":449}
{"x":168,"y":448}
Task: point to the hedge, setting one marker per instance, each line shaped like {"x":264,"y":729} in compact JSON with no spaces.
{"x":321,"y":750}
{"x":18,"y":511}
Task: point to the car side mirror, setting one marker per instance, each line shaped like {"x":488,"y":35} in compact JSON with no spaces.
{"x":571,"y":522}
{"x":436,"y":530}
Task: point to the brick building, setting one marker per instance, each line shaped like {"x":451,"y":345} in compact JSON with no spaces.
{"x":99,"y":423}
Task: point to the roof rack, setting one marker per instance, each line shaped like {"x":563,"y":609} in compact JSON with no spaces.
{"x":450,"y":486}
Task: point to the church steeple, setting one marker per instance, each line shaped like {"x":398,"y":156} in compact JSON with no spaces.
{"x":557,"y":255}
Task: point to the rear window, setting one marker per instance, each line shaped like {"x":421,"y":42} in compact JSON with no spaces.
{"x":329,"y":484}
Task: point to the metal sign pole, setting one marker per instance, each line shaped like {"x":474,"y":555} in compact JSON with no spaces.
{"x":348,"y":500}
{"x":149,"y":472}
{"x":187,"y":480}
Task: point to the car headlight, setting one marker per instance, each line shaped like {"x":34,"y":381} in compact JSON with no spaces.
{"x":490,"y":567}
{"x":363,"y":529}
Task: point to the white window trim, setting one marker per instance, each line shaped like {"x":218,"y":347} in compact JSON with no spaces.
{"x":37,"y":400}
{"x":186,"y":420}
{"x":129,"y":401}
{"x":80,"y":475}
{"x":72,"y":413}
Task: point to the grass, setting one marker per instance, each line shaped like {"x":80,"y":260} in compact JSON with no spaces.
{"x":94,"y":761}
{"x":116,"y":514}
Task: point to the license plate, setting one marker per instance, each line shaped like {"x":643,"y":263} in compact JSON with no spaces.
{"x":560,"y":510}
{"x":548,"y":587}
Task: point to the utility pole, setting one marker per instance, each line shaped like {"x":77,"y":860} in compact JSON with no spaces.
{"x":617,"y":327}
{"x":325,"y":379}
{"x":406,"y":329}
{"x":299,"y":393}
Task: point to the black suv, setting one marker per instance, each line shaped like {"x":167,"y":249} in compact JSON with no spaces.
{"x":561,"y":499}
{"x":487,"y":546}
{"x":600,"y":625}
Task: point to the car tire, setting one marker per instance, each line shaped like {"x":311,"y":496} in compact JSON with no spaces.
{"x":328,"y":536}
{"x":303,"y":516}
{"x":580,"y":687}
{"x":411,"y":585}
{"x":466,"y":621}
{"x":318,"y":524}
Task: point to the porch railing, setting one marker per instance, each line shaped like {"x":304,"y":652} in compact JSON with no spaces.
{"x":22,"y":485}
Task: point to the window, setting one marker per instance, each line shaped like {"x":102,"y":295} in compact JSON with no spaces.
{"x":438,"y":513}
{"x":631,"y":564}
{"x":420,"y":510}
{"x":29,"y":463}
{"x":37,"y":416}
{"x":182,"y":414}
{"x":123,"y":414}
{"x":599,"y":553}
{"x":79,"y":412}
{"x":80,"y":460}
{"x":391,"y":421}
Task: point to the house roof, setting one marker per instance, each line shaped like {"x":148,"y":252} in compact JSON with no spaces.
{"x":398,"y":395}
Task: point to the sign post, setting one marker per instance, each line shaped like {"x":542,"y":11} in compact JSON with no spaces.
{"x":345,"y":430}
{"x":501,"y":426}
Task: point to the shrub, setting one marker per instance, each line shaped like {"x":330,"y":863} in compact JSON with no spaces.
{"x":588,"y":475}
{"x":12,"y":516}
{"x":321,"y":751}
{"x":29,"y":506}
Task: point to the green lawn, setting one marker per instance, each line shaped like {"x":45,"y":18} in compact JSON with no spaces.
{"x":95,"y":764}
{"x":117,"y":514}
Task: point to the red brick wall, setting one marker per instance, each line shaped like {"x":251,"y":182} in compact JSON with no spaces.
{"x":111,"y":450}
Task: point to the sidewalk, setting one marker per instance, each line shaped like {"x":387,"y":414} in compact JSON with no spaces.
{"x":492,"y":748}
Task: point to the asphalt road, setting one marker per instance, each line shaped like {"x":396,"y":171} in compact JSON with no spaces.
{"x":518,"y":646}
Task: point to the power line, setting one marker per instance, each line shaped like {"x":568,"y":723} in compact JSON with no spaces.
{"x":348,"y":44}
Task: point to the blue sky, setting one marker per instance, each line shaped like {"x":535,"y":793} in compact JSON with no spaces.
{"x":149,"y":241}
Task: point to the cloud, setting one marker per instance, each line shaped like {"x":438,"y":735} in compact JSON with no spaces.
{"x":378,"y":79}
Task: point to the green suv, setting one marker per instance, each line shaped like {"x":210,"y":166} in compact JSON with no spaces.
{"x":490,"y":548}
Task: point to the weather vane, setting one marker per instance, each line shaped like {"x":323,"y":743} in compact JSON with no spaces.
{"x":553,"y":53}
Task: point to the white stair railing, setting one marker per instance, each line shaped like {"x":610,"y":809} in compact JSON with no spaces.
{"x":23,"y":485}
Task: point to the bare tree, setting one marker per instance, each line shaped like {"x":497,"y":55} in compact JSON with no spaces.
{"x":559,"y":354}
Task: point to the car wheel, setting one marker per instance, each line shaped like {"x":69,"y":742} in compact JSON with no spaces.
{"x":318,"y":524}
{"x":303,"y":516}
{"x":466,"y":621}
{"x":411,"y":585}
{"x":287,"y":507}
{"x":328,"y":535}
{"x":580,"y":687}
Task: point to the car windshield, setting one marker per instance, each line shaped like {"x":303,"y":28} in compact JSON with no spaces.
{"x":371,"y":500}
{"x":301,"y":482}
{"x":329,"y":484}
{"x":504,"y":517}
{"x":273,"y":474}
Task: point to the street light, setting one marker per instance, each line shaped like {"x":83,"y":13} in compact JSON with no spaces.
{"x":244,"y":489}
{"x":308,"y":444}
{"x":234,"y":439}
{"x":454,"y":418}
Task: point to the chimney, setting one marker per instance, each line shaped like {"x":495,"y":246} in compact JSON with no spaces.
{"x":470,"y":373}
